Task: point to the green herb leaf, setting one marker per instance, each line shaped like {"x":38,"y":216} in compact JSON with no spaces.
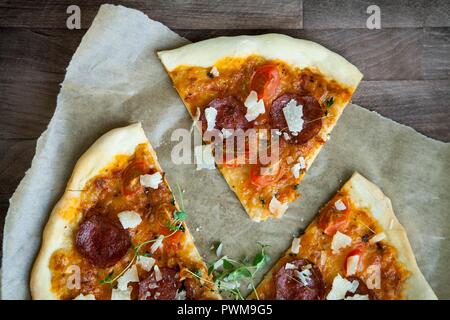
{"x":107,"y":279}
{"x":227,"y":265}
{"x":180,"y":215}
{"x":329,"y":102}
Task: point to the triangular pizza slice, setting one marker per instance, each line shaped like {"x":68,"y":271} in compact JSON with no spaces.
{"x":355,"y":249}
{"x":280,"y":95}
{"x":117,"y":232}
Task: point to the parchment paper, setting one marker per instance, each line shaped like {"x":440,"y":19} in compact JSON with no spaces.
{"x":115,"y":78}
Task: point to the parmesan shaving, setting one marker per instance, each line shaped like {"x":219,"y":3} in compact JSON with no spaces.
{"x":357,"y":297}
{"x":81,"y":296}
{"x":293,"y":114}
{"x":158,"y":275}
{"x":210,"y":115}
{"x":180,"y":295}
{"x":352,"y":264}
{"x":157,"y":244}
{"x":146,"y":263}
{"x":340,"y":240}
{"x":129,"y":219}
{"x":339,"y":288}
{"x":219,"y":250}
{"x":290,"y":266}
{"x":304,"y":276}
{"x":117,"y":294}
{"x":377,"y":238}
{"x":214,"y":72}
{"x":131,"y":275}
{"x":295,"y":247}
{"x":340,"y":205}
{"x":151,"y":180}
{"x":276,"y":207}
{"x":254,"y":106}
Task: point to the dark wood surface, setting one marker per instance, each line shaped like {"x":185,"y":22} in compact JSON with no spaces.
{"x":406,"y":64}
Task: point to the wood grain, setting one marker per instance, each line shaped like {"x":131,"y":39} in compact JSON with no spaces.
{"x":436,"y":53}
{"x":15,"y":159}
{"x":203,"y":14}
{"x":421,"y":104}
{"x":350,"y":14}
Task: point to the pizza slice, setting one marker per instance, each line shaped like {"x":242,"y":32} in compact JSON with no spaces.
{"x":355,"y":249}
{"x":117,"y":232}
{"x":281,"y":96}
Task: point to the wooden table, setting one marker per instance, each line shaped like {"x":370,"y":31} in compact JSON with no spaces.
{"x":406,"y":63}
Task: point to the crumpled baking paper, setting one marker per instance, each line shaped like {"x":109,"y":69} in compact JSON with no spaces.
{"x":115,"y":78}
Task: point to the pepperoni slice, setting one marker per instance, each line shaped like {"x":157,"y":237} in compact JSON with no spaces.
{"x":289,"y":287}
{"x":164,"y":289}
{"x":230,"y":114}
{"x":361,"y":290}
{"x":193,"y":290}
{"x":101,"y":241}
{"x":312,"y":117}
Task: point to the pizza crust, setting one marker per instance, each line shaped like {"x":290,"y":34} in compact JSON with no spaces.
{"x":366,"y":195}
{"x":297,"y":52}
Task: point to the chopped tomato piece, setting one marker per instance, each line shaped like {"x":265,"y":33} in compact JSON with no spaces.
{"x":332,"y":220}
{"x":270,"y":175}
{"x":357,"y":250}
{"x":265,"y":81}
{"x":174,"y":240}
{"x":130,"y":176}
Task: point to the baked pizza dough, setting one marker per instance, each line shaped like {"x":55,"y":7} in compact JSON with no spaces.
{"x":377,"y":238}
{"x":286,"y":89}
{"x":119,"y":230}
